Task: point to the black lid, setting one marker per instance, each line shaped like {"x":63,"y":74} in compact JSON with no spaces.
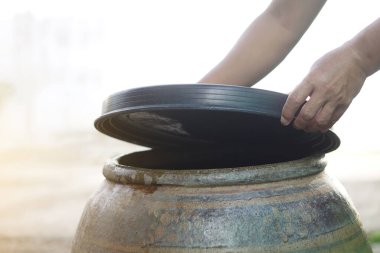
{"x":203,"y":116}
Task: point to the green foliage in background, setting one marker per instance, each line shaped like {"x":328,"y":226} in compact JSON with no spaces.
{"x":374,"y":237}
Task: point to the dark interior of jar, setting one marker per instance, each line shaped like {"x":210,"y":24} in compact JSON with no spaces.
{"x":198,"y":159}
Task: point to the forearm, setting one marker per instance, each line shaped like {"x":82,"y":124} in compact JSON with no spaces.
{"x":265,"y":43}
{"x":366,"y":48}
{"x":259,"y":50}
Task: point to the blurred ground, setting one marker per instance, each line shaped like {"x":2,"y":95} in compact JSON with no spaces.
{"x":44,"y":190}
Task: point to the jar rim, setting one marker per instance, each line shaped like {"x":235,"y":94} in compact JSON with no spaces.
{"x":114,"y":170}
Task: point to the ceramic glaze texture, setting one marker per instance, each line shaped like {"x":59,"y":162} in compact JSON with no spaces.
{"x":284,"y":207}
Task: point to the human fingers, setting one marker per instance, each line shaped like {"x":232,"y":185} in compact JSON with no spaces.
{"x":295,"y":101}
{"x":336,"y":116}
{"x":309,"y":110}
{"x":324,"y":118}
{"x":317,"y":125}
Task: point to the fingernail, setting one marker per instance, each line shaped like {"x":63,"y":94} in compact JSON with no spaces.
{"x":284,"y":121}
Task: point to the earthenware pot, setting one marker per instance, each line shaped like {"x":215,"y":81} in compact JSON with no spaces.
{"x":155,"y":201}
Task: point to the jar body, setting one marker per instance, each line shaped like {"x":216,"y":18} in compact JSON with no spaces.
{"x":310,"y":213}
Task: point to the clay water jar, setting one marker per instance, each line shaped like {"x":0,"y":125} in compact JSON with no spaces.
{"x":173,"y":202}
{"x":222,"y":175}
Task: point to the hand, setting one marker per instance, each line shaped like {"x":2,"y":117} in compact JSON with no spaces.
{"x":326,"y":92}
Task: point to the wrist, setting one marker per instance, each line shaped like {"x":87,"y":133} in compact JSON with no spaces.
{"x":365,"y":46}
{"x":359,"y":58}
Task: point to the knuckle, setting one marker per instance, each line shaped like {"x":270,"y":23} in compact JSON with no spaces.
{"x":345,"y":102}
{"x":306,"y":115}
{"x":328,"y":87}
{"x":328,"y":92}
{"x":299,"y":123}
{"x":340,"y":98}
{"x":322,"y":123}
{"x":315,"y":79}
{"x":297,"y":126}
{"x":295,"y":98}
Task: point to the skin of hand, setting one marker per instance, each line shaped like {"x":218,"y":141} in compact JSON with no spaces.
{"x":333,"y":82}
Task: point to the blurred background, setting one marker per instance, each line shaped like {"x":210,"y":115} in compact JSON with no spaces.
{"x":60,"y":59}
